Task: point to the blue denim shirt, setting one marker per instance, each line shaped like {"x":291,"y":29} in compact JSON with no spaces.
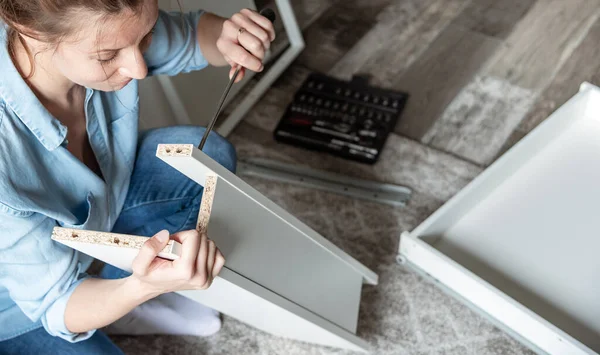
{"x":42,"y":185}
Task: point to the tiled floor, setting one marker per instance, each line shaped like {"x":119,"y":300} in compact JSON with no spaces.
{"x":481,"y":74}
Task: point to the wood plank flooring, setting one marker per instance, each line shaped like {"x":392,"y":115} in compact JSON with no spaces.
{"x":452,"y":61}
{"x":480,"y":73}
{"x":542,"y":41}
{"x":403,"y":32}
{"x":578,"y":68}
{"x":338,"y":30}
{"x":493,"y":18}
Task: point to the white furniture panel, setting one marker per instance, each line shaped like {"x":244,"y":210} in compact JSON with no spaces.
{"x":280,"y":275}
{"x":521,"y":242}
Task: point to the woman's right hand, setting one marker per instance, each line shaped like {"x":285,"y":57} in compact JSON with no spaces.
{"x":200,"y":262}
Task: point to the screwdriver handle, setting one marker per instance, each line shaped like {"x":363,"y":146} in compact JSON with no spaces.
{"x":268,"y":13}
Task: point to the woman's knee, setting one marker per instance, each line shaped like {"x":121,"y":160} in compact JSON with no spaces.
{"x":221,"y":150}
{"x":216,"y":146}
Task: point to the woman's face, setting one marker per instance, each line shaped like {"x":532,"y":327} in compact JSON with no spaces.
{"x":107,"y":54}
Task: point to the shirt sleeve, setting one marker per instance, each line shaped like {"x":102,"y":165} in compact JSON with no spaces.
{"x":175,"y":48}
{"x":39,"y":274}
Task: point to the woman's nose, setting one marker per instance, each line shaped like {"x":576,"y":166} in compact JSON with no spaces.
{"x":134,"y":66}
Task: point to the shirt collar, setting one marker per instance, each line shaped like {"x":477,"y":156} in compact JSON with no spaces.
{"x":21,"y":99}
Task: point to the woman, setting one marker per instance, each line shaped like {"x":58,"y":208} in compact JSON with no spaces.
{"x":71,"y":156}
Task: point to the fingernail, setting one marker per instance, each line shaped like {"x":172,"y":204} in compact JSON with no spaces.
{"x":163,"y":235}
{"x":262,"y":67}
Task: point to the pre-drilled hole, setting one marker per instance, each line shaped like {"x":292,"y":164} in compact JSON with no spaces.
{"x":74,"y":235}
{"x":178,"y":150}
{"x":168,"y":150}
{"x":116,"y":240}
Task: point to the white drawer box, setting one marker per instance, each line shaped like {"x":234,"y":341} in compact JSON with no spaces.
{"x":521,"y":243}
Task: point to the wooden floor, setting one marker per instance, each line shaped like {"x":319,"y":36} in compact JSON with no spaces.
{"x":480,"y":73}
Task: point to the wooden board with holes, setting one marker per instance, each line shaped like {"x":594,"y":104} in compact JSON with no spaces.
{"x":280,"y":275}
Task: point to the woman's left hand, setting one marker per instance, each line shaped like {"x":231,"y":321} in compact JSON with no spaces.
{"x":244,"y":40}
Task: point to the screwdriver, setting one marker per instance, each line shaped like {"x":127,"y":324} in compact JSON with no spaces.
{"x":268,"y":13}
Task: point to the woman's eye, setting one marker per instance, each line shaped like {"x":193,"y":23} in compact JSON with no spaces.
{"x":108,"y":60}
{"x":146,"y":41}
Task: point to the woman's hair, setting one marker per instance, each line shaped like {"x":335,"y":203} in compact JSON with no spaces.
{"x":50,"y":21}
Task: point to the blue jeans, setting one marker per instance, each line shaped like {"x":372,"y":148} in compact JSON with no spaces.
{"x":159,"y":197}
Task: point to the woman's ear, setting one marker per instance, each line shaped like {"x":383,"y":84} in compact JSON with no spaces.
{"x":22,"y":30}
{"x":31,"y":36}
{"x":31,"y":40}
